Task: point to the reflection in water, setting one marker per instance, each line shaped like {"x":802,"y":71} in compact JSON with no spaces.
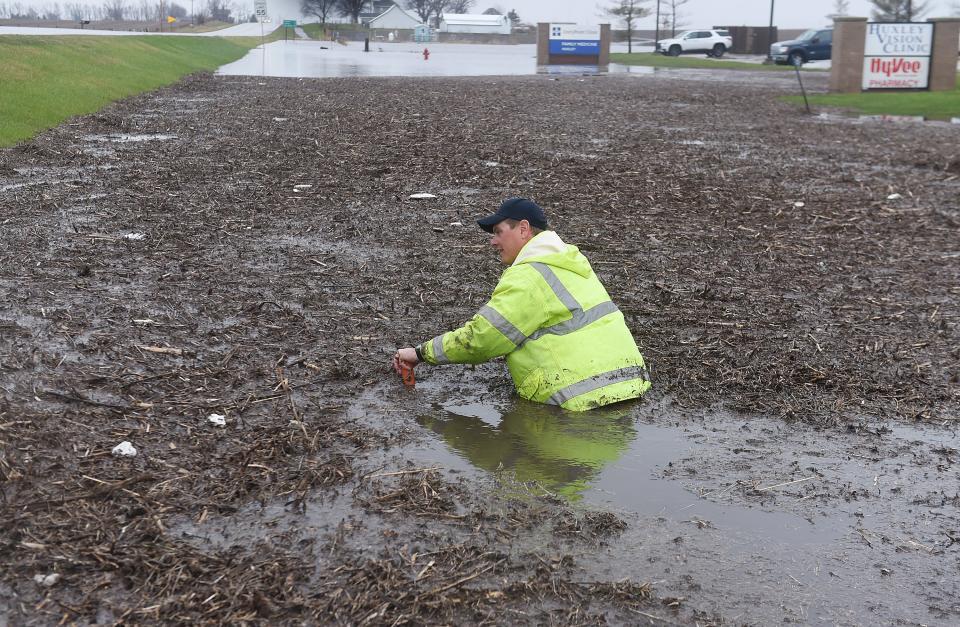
{"x":604,"y":458}
{"x":560,"y":450}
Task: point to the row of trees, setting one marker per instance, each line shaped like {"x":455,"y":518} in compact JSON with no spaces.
{"x":424,"y":9}
{"x":119,"y":10}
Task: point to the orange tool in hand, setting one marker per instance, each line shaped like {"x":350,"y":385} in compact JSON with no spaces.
{"x":405,"y":370}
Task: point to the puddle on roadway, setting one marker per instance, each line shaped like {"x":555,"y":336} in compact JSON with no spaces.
{"x":899,"y":119}
{"x":603,"y":459}
{"x":124,"y":138}
{"x":927,"y":434}
{"x":51,"y":176}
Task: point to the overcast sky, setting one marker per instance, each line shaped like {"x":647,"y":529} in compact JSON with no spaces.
{"x":702,"y":13}
{"x":694,"y":14}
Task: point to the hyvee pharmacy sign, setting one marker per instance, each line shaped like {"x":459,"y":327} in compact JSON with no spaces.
{"x":897,"y":56}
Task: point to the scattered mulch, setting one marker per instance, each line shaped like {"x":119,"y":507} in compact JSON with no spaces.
{"x":766,"y":261}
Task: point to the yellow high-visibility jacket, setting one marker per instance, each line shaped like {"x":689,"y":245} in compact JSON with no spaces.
{"x":565,"y":341}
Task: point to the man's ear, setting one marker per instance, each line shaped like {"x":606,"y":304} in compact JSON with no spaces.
{"x":526,"y":224}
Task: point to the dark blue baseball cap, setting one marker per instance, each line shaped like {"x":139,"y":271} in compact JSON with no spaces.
{"x":515,"y":209}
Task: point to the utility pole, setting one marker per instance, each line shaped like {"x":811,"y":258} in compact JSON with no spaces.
{"x":770,"y":33}
{"x":656,"y":36}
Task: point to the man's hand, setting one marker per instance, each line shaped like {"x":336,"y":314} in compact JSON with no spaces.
{"x":407,"y":355}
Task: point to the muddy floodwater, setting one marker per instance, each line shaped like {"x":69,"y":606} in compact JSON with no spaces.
{"x":325,"y":59}
{"x":217,"y":273}
{"x":309,"y":58}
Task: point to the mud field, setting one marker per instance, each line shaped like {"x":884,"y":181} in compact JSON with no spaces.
{"x":248,"y":248}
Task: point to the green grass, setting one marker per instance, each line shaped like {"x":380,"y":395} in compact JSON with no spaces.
{"x":45,"y":80}
{"x":315,"y":31}
{"x":938,"y":105}
{"x":653,"y":59}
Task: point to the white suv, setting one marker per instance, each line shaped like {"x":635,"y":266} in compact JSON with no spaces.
{"x":712,"y":42}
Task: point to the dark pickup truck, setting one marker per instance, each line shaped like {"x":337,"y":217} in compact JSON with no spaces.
{"x":813,"y":45}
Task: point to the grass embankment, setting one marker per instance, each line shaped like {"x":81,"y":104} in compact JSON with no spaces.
{"x":937,"y":105}
{"x":323,"y":32}
{"x":655,"y":59}
{"x":45,"y":80}
{"x":206,"y":27}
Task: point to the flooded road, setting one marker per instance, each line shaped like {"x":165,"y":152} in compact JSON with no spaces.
{"x":316,"y":59}
{"x":306,"y":59}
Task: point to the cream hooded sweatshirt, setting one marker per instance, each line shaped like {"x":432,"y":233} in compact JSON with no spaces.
{"x":543,"y":243}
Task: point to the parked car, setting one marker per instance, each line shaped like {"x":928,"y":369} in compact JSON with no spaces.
{"x":813,"y":45}
{"x":711,"y":42}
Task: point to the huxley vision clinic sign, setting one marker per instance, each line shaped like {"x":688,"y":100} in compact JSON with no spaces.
{"x":573,"y":39}
{"x":897,"y":56}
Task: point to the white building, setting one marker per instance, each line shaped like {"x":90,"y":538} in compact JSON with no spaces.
{"x":395,"y":18}
{"x":470,"y":23}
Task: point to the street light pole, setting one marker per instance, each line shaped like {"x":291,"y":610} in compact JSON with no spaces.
{"x":656,"y":32}
{"x":770,"y":32}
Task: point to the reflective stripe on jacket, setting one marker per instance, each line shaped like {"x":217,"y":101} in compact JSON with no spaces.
{"x":565,"y":341}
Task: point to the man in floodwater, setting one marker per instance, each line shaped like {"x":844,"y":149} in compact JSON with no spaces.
{"x":565,"y":341}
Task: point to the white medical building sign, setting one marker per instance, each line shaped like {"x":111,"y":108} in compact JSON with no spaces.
{"x":573,"y":39}
{"x":897,"y":55}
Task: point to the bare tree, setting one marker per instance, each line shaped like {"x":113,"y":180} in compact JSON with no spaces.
{"x":440,"y":7}
{"x":51,"y":12}
{"x":219,"y":10}
{"x":322,"y":9}
{"x":459,"y":6}
{"x":898,"y":10}
{"x":115,"y":9}
{"x":18,"y":11}
{"x":672,"y":12}
{"x":628,"y":12}
{"x":351,"y":9}
{"x":840,"y":8}
{"x":493,"y":11}
{"x":423,"y":9}
{"x":142,"y":11}
{"x":426,"y":9}
{"x":177,"y":11}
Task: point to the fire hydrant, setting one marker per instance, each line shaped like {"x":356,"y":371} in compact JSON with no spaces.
{"x":426,"y":54}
